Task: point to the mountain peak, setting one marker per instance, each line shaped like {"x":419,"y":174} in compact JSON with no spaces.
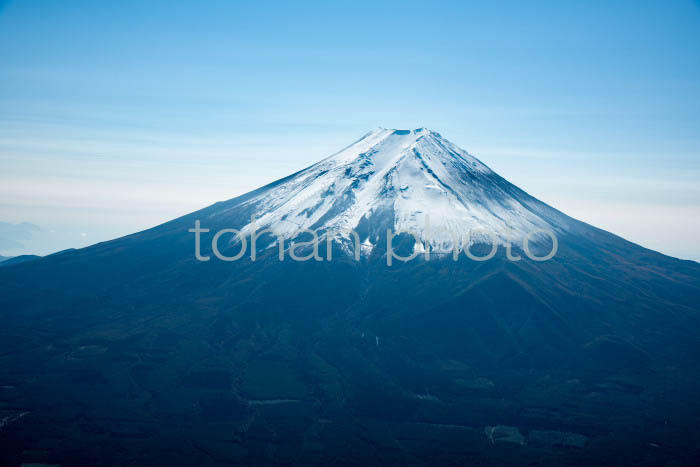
{"x":404,"y":131}
{"x":386,"y":146}
{"x":405,"y":180}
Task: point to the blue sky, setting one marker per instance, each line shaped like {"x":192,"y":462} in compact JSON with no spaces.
{"x":116,"y":116}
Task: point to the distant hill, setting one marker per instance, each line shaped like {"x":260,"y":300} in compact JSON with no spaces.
{"x":10,"y":260}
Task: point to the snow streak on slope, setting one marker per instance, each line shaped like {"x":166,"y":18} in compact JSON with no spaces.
{"x":406,"y":180}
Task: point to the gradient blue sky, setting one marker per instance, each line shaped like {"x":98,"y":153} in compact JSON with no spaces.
{"x":116,"y":116}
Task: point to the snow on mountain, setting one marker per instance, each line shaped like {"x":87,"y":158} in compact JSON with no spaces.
{"x":405,"y":180}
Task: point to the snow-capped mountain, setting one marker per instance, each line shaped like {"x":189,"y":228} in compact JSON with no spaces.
{"x":404,"y":180}
{"x":134,"y":342}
